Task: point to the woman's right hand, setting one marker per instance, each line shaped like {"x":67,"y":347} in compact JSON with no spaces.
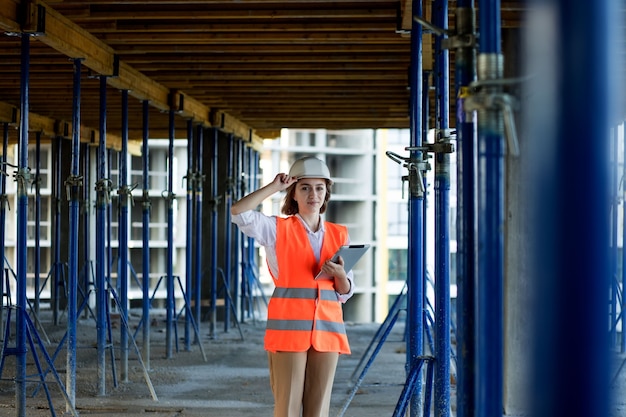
{"x":282,"y":181}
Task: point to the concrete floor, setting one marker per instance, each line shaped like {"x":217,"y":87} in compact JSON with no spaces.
{"x":232,"y":382}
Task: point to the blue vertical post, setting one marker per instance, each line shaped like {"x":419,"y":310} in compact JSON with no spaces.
{"x":614,"y":207}
{"x":464,"y":74}
{"x":57,"y":268}
{"x":228,"y":232}
{"x":236,"y":239}
{"x":442,"y":219}
{"x":3,"y":199}
{"x":22,"y":220}
{"x":122,"y":248}
{"x":415,"y":292}
{"x":101,"y":255}
{"x":189,"y":249}
{"x":571,"y":364}
{"x":169,"y":333}
{"x":37,"y":184}
{"x":199,"y":230}
{"x":73,"y":184}
{"x":252,"y":177}
{"x":87,"y":271}
{"x":623,"y":306}
{"x":490,"y":222}
{"x":243,"y":239}
{"x":214,"y":201}
{"x":145,"y":234}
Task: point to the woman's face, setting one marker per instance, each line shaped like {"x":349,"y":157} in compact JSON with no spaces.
{"x":310,"y":194}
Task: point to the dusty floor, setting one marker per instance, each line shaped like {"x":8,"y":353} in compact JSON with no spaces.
{"x":232,"y":382}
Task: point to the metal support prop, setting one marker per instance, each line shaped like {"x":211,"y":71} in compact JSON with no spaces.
{"x":571,"y":239}
{"x":169,"y":333}
{"x":614,"y":207}
{"x":22,"y":221}
{"x":415,"y":293}
{"x":199,"y":234}
{"x":124,"y":195}
{"x":623,"y":304}
{"x":236,"y":233}
{"x":253,"y":163}
{"x":190,"y":231}
{"x":37,"y":185}
{"x":242,"y":238}
{"x":57,"y":268}
{"x":3,"y":213}
{"x":214,"y":203}
{"x":145,"y":235}
{"x":102,"y":200}
{"x":88,"y":279}
{"x":228,"y":227}
{"x":465,"y":73}
{"x":489,"y":325}
{"x":442,"y":219}
{"x":73,"y":184}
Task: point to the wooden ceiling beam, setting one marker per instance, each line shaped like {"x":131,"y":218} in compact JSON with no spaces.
{"x":263,"y":38}
{"x":229,"y":27}
{"x":261,"y":50}
{"x":235,"y":11}
{"x":61,"y":34}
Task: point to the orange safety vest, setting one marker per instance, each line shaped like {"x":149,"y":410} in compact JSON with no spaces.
{"x":304,"y":312}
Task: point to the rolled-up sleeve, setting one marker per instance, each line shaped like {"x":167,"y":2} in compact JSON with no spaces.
{"x":258,"y":226}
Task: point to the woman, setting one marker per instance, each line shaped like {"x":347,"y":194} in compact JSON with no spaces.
{"x":305,"y":331}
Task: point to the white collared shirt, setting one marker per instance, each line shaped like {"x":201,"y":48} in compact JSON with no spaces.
{"x":263,"y":229}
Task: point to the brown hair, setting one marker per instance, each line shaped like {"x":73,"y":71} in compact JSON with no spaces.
{"x":290,"y":206}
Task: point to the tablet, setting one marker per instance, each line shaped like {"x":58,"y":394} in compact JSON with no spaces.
{"x":350,"y":254}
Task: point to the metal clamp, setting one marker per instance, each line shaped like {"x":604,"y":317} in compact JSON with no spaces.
{"x":169,"y":196}
{"x":415,"y":167}
{"x":4,"y":201}
{"x":126,"y":191}
{"x":191,"y":179}
{"x":71,"y":184}
{"x":145,"y":200}
{"x":22,"y":177}
{"x":103,"y":190}
{"x":496,"y":101}
{"x":451,"y":40}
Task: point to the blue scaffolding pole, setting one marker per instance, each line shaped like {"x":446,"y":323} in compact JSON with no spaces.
{"x":145,"y":235}
{"x":243,"y":188}
{"x":442,"y":149}
{"x":416,"y":264}
{"x":199,"y":231}
{"x":189,"y":250}
{"x":213,"y":254}
{"x":465,"y":73}
{"x":615,"y":291}
{"x":571,"y":237}
{"x":73,"y":184}
{"x":228,"y":227}
{"x":170,"y":309}
{"x":88,"y":273}
{"x":102,"y":200}
{"x":623,"y":303}
{"x":37,"y":184}
{"x":22,"y":236}
{"x":124,"y":193}
{"x":3,"y":215}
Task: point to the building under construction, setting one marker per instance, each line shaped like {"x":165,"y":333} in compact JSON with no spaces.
{"x":130,"y":128}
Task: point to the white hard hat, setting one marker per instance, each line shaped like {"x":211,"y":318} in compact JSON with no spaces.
{"x":309,"y":167}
